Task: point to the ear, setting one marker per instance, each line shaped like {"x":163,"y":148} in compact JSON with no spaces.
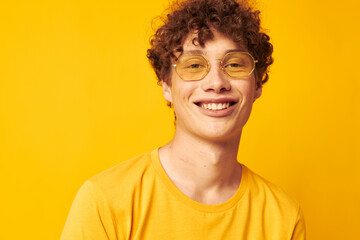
{"x":258,"y":90}
{"x":166,"y":91}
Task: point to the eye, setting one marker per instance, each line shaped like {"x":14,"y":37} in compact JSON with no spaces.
{"x":233,"y":65}
{"x":194,"y":66}
{"x":236,"y":64}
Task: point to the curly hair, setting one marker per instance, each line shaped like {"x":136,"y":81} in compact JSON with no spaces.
{"x":235,"y":19}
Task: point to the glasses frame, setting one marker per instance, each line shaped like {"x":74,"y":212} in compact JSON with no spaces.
{"x":208,"y":65}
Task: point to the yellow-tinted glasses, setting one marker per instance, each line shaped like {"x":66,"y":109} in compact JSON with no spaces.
{"x":196,"y":67}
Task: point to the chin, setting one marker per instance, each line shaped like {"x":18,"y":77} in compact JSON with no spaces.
{"x":221,"y":133}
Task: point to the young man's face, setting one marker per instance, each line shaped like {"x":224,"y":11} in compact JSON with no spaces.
{"x":217,"y":106}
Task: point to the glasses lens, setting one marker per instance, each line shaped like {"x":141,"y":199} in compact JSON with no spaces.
{"x":191,"y":67}
{"x":239,"y":64}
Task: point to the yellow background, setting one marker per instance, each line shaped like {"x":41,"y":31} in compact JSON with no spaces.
{"x":78,"y":96}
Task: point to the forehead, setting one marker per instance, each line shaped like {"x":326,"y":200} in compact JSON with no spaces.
{"x":218,"y":45}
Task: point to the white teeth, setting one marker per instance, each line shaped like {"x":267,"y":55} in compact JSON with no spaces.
{"x":215,"y":106}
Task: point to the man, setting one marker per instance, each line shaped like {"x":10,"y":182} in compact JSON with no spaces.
{"x":211,"y":58}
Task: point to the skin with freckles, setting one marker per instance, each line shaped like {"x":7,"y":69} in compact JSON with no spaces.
{"x":201,"y":159}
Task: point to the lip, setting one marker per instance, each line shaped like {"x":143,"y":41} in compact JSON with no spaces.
{"x":216,"y":100}
{"x":217,"y":113}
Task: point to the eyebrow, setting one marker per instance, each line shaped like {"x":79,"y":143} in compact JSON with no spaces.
{"x":193,"y":52}
{"x":201,"y":52}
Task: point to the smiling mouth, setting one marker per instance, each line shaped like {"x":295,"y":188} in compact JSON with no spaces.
{"x":215,"y":106}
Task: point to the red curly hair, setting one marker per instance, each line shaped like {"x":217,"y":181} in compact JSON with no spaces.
{"x":235,"y":19}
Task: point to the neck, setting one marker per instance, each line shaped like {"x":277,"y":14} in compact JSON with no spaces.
{"x":203,"y":170}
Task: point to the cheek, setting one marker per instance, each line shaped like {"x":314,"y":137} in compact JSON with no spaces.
{"x":246,"y":89}
{"x":183,"y":90}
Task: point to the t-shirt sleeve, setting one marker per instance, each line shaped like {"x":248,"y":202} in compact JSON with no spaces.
{"x":89,"y":216}
{"x":299,"y":230}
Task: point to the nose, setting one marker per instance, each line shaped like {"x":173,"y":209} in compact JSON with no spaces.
{"x":216,"y":80}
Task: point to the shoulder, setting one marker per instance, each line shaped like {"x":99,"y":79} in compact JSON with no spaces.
{"x":105,"y":198}
{"x":125,"y":177}
{"x":271,"y":194}
{"x":274,"y":203}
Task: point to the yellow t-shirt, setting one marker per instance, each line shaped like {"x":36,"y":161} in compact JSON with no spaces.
{"x":137,"y":200}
